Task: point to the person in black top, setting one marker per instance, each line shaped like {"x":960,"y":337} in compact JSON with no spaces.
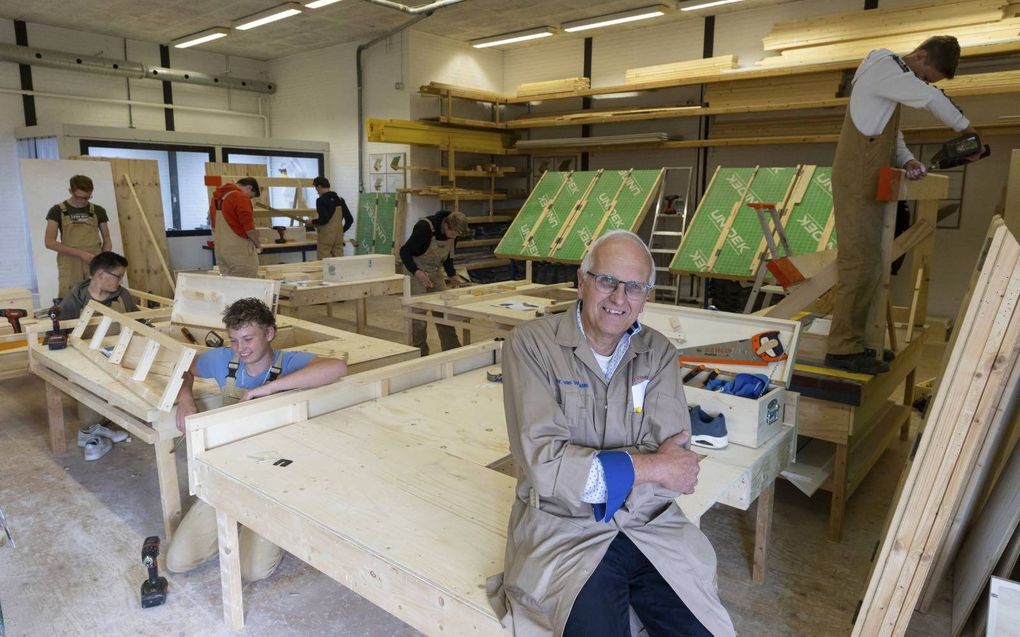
{"x":330,"y":236}
{"x":427,"y":255}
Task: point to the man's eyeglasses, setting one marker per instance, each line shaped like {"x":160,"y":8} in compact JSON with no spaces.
{"x":114,"y":275}
{"x":635,"y":290}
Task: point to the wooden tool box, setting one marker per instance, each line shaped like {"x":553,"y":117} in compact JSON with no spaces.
{"x":749,"y":422}
{"x":357,"y":268}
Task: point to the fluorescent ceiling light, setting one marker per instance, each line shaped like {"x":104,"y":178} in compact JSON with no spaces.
{"x":280,"y":12}
{"x":200,"y":38}
{"x":708,"y":5}
{"x":319,"y":3}
{"x":616,"y":18}
{"x":516,"y":36}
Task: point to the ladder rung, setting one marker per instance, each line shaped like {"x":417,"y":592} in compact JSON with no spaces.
{"x":774,"y":289}
{"x":662,"y":269}
{"x":665,"y":233}
{"x":661,"y":251}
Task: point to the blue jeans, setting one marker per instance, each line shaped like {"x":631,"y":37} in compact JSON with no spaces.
{"x":626,"y":578}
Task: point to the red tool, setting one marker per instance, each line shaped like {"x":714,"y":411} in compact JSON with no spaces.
{"x":14,"y":316}
{"x":761,"y":349}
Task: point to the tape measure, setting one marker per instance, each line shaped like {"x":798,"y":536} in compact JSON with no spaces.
{"x":494,"y":374}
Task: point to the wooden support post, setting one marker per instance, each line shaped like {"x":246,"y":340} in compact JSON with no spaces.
{"x":915,"y":300}
{"x":923,"y":253}
{"x":890,"y":325}
{"x":55,"y":415}
{"x":839,"y":486}
{"x":360,"y":314}
{"x":874,"y":331}
{"x":169,"y":489}
{"x":230,"y":571}
{"x":908,"y":400}
{"x":762,"y":532}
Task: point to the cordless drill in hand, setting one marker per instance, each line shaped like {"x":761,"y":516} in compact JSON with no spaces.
{"x":154,"y":588}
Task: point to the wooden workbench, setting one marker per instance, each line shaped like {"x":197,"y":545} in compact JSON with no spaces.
{"x":301,"y":286}
{"x":858,"y":413}
{"x":69,"y":371}
{"x":391,"y":488}
{"x":495,"y":306}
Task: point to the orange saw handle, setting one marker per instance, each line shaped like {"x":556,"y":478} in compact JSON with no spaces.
{"x":767,"y":346}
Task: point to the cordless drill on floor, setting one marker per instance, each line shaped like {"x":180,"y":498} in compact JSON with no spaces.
{"x":154,"y":588}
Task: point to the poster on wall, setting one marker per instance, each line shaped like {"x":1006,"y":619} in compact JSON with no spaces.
{"x":44,"y":183}
{"x":387,"y":172}
{"x":560,"y":163}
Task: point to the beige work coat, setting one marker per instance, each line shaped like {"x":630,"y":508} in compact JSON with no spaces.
{"x":560,"y":413}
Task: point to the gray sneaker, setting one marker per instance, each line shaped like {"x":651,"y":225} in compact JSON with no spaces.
{"x":99,"y":430}
{"x":96,"y":447}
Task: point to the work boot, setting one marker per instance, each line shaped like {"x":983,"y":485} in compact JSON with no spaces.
{"x":887,"y":354}
{"x":859,"y":363}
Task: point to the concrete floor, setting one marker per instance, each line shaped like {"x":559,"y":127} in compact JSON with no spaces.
{"x":79,"y":528}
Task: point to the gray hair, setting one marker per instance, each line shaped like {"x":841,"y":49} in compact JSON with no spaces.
{"x":586,"y":262}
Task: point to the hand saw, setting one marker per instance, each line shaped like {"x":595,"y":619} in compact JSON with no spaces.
{"x":761,"y":349}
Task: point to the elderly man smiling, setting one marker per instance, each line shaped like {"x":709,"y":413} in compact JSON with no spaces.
{"x":599,"y":427}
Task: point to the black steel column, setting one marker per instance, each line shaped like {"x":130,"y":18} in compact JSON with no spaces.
{"x":168,"y":91}
{"x":586,"y":101}
{"x":27,"y":101}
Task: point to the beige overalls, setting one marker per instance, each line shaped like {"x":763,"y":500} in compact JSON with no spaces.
{"x":195,"y":539}
{"x":83,"y":235}
{"x":330,"y":236}
{"x":432,"y":263}
{"x":234,"y":256}
{"x":859,"y":218}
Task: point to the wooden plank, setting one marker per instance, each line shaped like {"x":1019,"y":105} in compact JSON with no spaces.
{"x":981,"y":329}
{"x":426,"y":134}
{"x":529,"y":89}
{"x":1011,"y":207}
{"x":230,"y":570}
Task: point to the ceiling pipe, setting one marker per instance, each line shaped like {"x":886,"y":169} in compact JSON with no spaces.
{"x":424,"y":9}
{"x":125,"y":68}
{"x":361,"y":84}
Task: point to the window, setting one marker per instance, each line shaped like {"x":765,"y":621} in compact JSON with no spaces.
{"x":283,"y":164}
{"x":181,"y":177}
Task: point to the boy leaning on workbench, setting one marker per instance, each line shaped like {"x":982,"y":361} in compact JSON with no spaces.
{"x":248,"y":369}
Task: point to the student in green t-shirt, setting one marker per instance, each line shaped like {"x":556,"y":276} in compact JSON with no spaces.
{"x":77,"y":230}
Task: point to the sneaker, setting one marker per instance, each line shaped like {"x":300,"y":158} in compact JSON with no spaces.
{"x":887,"y":354}
{"x":859,"y":363}
{"x":96,"y":447}
{"x":708,"y":431}
{"x":99,"y":430}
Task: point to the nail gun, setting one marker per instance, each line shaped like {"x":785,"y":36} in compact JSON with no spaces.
{"x":958,"y":151}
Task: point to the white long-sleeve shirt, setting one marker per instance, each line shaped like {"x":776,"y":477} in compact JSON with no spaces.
{"x":881,"y":82}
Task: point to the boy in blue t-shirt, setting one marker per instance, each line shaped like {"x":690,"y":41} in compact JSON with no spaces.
{"x":248,"y":369}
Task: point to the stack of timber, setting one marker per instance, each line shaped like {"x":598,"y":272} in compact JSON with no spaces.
{"x":808,"y":88}
{"x":817,"y":125}
{"x":880,"y":23}
{"x":982,"y":84}
{"x":449,"y":193}
{"x":975,"y":393}
{"x":581,"y":142}
{"x":399,"y":131}
{"x":978,"y":25}
{"x":680,"y":70}
{"x":568,"y":85}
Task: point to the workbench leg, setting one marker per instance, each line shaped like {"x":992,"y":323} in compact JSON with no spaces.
{"x":407,"y":327}
{"x":169,"y":489}
{"x":360,"y":315}
{"x":329,"y":310}
{"x":908,"y":400}
{"x":55,"y":415}
{"x":839,"y":485}
{"x":762,"y":532}
{"x":466,"y":340}
{"x":230,"y":571}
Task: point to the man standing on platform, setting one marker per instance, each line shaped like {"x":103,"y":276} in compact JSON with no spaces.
{"x":329,"y":233}
{"x":599,"y":430}
{"x":77,"y":230}
{"x":236,"y":242}
{"x":427,"y":258}
{"x":870,"y":141}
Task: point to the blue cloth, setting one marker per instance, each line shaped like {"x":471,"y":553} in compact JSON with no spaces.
{"x":745,"y":385}
{"x":213,"y":364}
{"x":619,"y":471}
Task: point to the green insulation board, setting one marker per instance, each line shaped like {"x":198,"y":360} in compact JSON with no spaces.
{"x":725,"y":191}
{"x":741,"y":252}
{"x":633,"y":191}
{"x":561,"y":194}
{"x":806,"y":223}
{"x":375,"y":223}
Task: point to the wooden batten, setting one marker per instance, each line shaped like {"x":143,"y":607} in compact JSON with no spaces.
{"x":553,"y":86}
